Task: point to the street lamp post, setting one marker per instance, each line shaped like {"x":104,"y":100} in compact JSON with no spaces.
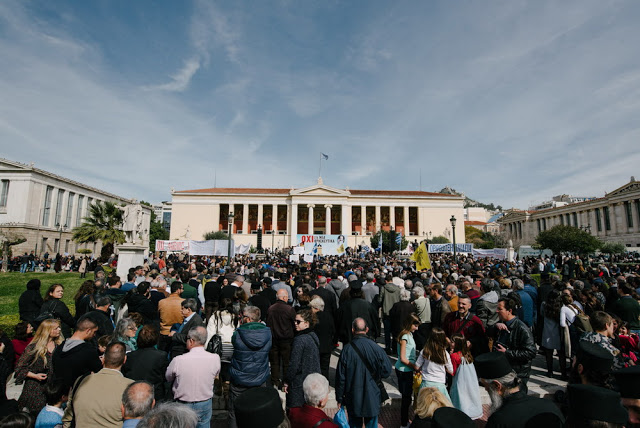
{"x":453,"y":228}
{"x":259,"y":240}
{"x":61,"y":228}
{"x":230,"y":219}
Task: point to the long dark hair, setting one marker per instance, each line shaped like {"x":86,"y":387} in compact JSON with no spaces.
{"x":86,"y":288}
{"x":406,"y":327}
{"x":552,"y":306}
{"x":435,"y":349}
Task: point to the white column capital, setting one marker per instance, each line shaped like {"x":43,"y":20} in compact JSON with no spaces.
{"x":310,"y":206}
{"x":328,"y":206}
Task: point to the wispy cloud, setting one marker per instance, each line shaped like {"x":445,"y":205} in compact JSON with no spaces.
{"x":180,"y":80}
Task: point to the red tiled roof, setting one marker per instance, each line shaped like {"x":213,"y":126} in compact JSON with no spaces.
{"x":248,"y":191}
{"x":474,"y":222}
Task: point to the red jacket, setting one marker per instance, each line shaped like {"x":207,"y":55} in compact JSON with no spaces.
{"x":307,"y":417}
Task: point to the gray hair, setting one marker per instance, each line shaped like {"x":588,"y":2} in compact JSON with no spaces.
{"x":452,"y":288}
{"x":121,"y":328}
{"x":317,"y":302}
{"x":316,"y":389}
{"x":239,"y":278}
{"x":352,"y":277}
{"x":322,"y":280}
{"x":518,"y":284}
{"x":405,"y":295}
{"x":198,"y":334}
{"x":190,"y":303}
{"x":370,"y":276}
{"x":137,"y":399}
{"x":253,"y":312}
{"x":417,"y":292}
{"x":578,"y":285}
{"x":510,"y":380}
{"x":170,"y":415}
{"x":408,"y":284}
{"x":102,"y":301}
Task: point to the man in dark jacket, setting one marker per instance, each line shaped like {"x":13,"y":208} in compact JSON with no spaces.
{"x":515,"y":340}
{"x":267,"y":291}
{"x":356,"y":386}
{"x":356,"y":307}
{"x":329,"y":297}
{"x":101,"y":315}
{"x":76,"y":356}
{"x":259,"y":300}
{"x":250,"y":362}
{"x":191,"y":319}
{"x":30,"y":301}
{"x":280,"y":319}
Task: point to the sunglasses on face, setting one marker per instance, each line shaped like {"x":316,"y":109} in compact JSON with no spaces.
{"x":299,"y":321}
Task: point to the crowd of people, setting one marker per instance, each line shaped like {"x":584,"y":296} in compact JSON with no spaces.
{"x":180,"y":332}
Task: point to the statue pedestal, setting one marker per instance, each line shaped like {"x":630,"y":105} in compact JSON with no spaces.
{"x":129,"y":255}
{"x":511,"y":254}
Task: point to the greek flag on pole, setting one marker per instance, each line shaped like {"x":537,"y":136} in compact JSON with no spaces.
{"x":398,"y":239}
{"x":326,"y":157}
{"x":380,"y":243}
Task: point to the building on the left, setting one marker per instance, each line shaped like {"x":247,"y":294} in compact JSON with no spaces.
{"x":45,"y":207}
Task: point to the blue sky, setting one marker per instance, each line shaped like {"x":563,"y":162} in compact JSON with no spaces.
{"x":511,"y":102}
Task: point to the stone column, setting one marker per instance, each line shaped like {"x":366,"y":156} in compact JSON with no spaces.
{"x":392,"y":217}
{"x":363,"y":219}
{"x":327,"y":219}
{"x":274,"y":217}
{"x":634,"y":214}
{"x":310,"y":228}
{"x":245,"y":218}
{"x":261,"y":216}
{"x":345,"y":221}
{"x":377,"y":218}
{"x":406,"y":221}
{"x":292,"y":230}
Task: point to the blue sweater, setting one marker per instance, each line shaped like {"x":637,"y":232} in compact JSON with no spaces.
{"x":48,"y":418}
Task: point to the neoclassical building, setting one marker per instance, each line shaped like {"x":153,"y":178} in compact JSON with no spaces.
{"x":317,"y":209}
{"x":612,"y":218}
{"x":44,"y":208}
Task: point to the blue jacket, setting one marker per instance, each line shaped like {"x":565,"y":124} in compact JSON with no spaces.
{"x":528,"y":311}
{"x":250,"y":360}
{"x":355,"y":387}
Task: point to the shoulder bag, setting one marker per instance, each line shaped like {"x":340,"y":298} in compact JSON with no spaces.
{"x":383,"y":392}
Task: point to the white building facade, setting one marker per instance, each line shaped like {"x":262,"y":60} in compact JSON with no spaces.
{"x":317,"y":209}
{"x":612,"y":218}
{"x":45,"y":207}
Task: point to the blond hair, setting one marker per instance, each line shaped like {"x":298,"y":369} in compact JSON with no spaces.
{"x":41,"y":339}
{"x":429,"y":400}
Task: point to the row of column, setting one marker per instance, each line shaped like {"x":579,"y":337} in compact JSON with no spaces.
{"x":345,"y":222}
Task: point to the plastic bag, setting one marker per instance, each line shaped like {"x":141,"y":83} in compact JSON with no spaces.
{"x":340,"y":418}
{"x":465,"y":395}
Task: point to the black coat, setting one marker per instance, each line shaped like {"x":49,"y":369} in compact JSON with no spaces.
{"x":179,"y":340}
{"x":61,"y":312}
{"x":103,"y":320}
{"x":329,"y":297}
{"x":326,"y":332}
{"x":143,"y":306}
{"x":398,"y":315}
{"x":521,"y":348}
{"x":270,"y":294}
{"x":262,"y":303}
{"x":29,"y":305}
{"x":304,"y":360}
{"x":518,"y":408}
{"x":148,"y":364}
{"x":357,"y":308}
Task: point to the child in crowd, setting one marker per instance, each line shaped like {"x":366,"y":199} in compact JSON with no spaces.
{"x":434,"y":362}
{"x":460,"y":350}
{"x":103,"y":342}
{"x":51,"y":415}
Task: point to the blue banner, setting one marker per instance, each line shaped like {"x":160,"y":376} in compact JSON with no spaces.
{"x":448,"y":248}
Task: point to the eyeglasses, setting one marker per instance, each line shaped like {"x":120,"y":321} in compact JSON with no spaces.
{"x":299,"y":321}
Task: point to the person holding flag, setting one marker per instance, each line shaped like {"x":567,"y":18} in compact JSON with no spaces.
{"x":421,"y":257}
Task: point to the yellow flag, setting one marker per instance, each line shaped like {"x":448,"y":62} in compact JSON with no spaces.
{"x":421,"y":257}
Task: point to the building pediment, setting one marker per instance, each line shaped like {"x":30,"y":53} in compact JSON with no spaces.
{"x":633,"y":186}
{"x":6,"y":164}
{"x":319,"y":190}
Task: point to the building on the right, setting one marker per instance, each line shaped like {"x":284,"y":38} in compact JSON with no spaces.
{"x":614,"y":217}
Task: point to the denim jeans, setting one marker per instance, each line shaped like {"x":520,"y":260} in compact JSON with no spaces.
{"x":356,"y":422}
{"x":203,"y":410}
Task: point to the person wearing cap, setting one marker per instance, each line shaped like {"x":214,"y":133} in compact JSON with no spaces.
{"x":514,"y":339}
{"x":510,"y":405}
{"x":593,"y":365}
{"x":259,"y":407}
{"x":446,"y":417}
{"x":356,"y":307}
{"x":628,"y":381}
{"x":356,"y":385}
{"x":594,"y":406}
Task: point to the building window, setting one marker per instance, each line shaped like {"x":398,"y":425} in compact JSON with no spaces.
{"x":79,"y":210}
{"x":629,"y":211}
{"x":67,"y":222}
{"x":4,"y":194}
{"x":607,"y":219}
{"x":59,"y":207}
{"x":66,"y":245}
{"x":56,"y":246}
{"x":47,"y":206}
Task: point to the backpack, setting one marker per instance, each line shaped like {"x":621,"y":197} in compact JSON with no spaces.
{"x":582,"y":322}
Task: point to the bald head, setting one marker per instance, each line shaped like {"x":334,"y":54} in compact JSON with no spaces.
{"x":282,"y":295}
{"x":359,"y":326}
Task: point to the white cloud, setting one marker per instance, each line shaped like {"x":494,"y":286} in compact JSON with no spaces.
{"x":180,"y":80}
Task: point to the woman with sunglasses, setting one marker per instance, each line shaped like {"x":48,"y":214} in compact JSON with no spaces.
{"x":305,"y":357}
{"x":406,"y":365}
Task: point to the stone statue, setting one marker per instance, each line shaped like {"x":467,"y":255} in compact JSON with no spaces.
{"x":132,"y":222}
{"x":510,"y":243}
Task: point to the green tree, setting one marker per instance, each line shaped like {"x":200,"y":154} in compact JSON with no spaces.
{"x":216,"y":235}
{"x":102,"y":224}
{"x":612,"y":248}
{"x":156,"y":231}
{"x":9,"y":238}
{"x":387,"y":245}
{"x":439,"y":240}
{"x":567,"y":239}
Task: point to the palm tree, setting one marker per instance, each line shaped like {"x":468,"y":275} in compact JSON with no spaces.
{"x":102,"y":224}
